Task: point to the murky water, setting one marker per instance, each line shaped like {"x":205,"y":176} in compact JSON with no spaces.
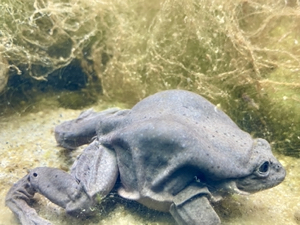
{"x":27,"y":141}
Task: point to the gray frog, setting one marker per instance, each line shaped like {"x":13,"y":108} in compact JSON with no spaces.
{"x":173,"y":151}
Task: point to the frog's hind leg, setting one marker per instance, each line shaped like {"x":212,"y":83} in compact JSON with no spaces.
{"x":93,"y":174}
{"x":18,"y":199}
{"x":73,"y":133}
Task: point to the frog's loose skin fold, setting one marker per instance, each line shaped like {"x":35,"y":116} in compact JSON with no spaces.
{"x":173,"y":151}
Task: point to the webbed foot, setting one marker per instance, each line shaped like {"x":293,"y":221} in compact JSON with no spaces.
{"x":18,"y":199}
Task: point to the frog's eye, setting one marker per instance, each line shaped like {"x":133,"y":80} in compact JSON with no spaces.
{"x":264,"y":168}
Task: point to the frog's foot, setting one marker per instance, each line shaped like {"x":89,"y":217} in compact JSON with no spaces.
{"x":18,"y":199}
{"x":73,"y":133}
{"x":192,"y":207}
{"x":58,"y":186}
{"x":93,"y":175}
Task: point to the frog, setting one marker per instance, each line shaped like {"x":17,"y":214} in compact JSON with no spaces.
{"x":173,"y":151}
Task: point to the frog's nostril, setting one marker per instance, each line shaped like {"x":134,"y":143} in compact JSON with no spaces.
{"x":35,"y":174}
{"x":279,"y":168}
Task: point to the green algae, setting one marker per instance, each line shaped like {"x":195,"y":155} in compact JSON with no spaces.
{"x":235,"y":53}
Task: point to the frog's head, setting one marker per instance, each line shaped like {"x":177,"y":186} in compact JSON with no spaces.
{"x":267,"y":172}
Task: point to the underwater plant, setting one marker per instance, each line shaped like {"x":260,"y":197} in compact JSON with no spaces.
{"x":242,"y":55}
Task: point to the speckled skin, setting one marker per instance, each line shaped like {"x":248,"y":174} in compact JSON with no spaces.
{"x":173,"y":151}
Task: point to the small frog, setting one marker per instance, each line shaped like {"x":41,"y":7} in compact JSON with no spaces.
{"x":174,"y":151}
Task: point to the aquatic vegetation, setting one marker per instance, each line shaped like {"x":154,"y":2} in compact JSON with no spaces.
{"x":242,"y":55}
{"x":3,"y":73}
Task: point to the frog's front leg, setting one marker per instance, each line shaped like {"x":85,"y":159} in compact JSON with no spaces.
{"x":192,"y":207}
{"x":93,"y":174}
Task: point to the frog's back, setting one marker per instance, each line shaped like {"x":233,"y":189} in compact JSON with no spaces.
{"x":192,"y":120}
{"x":178,"y":103}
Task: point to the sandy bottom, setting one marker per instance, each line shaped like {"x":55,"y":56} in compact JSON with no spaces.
{"x":27,"y":141}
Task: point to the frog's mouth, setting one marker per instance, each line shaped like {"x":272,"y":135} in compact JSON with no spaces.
{"x":235,"y":190}
{"x":230,"y":187}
